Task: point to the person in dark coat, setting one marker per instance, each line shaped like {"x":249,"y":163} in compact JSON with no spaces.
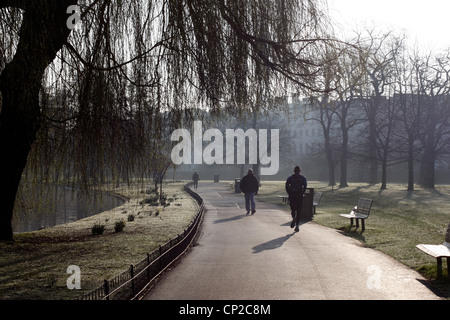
{"x":295,"y":187}
{"x":249,"y":186}
{"x":195,"y":178}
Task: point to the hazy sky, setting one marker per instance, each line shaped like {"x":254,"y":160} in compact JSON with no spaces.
{"x":425,"y":22}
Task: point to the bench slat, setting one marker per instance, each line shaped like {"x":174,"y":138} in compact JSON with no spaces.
{"x":437,"y":251}
{"x":364,"y":206}
{"x":354,"y":216}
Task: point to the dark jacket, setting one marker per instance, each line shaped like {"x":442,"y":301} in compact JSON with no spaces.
{"x":296,"y":185}
{"x":249,"y":183}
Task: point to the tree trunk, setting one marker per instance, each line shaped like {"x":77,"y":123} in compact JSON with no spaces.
{"x":410,"y":164}
{"x":329,"y":156}
{"x":331,"y":179}
{"x":427,"y":164}
{"x":373,"y":164}
{"x":42,"y":35}
{"x":426,"y":176}
{"x":343,"y":180}
{"x":344,"y":156}
{"x":384,"y":175}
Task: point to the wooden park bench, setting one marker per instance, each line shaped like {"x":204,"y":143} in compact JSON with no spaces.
{"x":439,"y":251}
{"x":360,"y":212}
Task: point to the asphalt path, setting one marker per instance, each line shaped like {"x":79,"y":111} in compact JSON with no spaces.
{"x":259,"y":257}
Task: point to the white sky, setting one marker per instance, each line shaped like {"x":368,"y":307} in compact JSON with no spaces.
{"x":426,"y":22}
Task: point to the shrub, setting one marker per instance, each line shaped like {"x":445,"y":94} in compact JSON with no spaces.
{"x":98,"y":228}
{"x":119,"y":225}
{"x":153,"y":200}
{"x":130,"y":217}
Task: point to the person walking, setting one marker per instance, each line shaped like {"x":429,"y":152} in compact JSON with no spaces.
{"x":195,"y":178}
{"x":295,"y":188}
{"x":249,"y":186}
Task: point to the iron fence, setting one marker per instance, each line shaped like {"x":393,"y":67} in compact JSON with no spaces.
{"x":131,"y":283}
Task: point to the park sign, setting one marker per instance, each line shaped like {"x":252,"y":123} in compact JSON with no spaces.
{"x":190,"y":149}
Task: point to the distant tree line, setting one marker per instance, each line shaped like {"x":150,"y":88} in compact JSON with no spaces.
{"x":390,"y":105}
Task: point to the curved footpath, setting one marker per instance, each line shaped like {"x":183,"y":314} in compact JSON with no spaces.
{"x":259,"y":257}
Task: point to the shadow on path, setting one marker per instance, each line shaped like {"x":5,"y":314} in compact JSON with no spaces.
{"x":229,"y":219}
{"x":272,"y":244}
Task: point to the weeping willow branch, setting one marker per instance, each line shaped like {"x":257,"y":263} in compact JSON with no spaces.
{"x":132,"y":71}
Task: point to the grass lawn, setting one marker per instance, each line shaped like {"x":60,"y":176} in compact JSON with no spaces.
{"x":34,"y":266}
{"x":399,"y":219}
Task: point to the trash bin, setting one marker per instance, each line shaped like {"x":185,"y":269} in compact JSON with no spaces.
{"x":237,"y":185}
{"x":216,"y":178}
{"x":307,"y":212}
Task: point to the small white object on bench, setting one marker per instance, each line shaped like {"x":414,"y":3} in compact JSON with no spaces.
{"x":439,"y":251}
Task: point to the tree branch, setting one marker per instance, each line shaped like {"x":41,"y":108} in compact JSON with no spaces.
{"x":117,"y":66}
{"x":20,"y":4}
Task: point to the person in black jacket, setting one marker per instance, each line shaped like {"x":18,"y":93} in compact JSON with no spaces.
{"x":249,"y":186}
{"x":295,"y":188}
{"x":195,"y":178}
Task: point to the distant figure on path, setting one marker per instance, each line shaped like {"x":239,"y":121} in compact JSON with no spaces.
{"x":295,"y":188}
{"x":195,"y":178}
{"x":249,"y":186}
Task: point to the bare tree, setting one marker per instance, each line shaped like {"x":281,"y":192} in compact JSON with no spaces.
{"x":323,"y":111}
{"x":410,"y":113}
{"x":378,"y":54}
{"x":325,"y":117}
{"x":349,"y":105}
{"x":385,"y":120}
{"x":433,"y":87}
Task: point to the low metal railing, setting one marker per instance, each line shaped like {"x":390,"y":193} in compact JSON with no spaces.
{"x":131,"y":283}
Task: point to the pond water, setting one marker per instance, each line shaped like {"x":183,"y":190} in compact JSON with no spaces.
{"x":60,"y":205}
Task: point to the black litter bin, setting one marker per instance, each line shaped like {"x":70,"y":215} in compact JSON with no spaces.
{"x":216,"y":178}
{"x":307,"y":212}
{"x":237,"y":185}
